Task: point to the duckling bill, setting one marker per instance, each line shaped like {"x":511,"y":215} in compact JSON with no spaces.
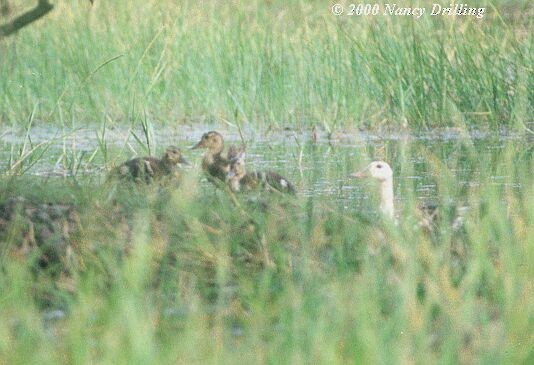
{"x":147,"y":169}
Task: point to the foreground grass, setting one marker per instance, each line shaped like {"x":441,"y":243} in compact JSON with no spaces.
{"x":183,"y":275}
{"x":268,"y":63}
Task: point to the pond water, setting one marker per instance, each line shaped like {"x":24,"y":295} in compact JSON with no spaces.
{"x":318,"y":168}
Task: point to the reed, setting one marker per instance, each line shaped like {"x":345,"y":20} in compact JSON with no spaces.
{"x":192,"y":274}
{"x":182,"y":274}
{"x":269,"y":64}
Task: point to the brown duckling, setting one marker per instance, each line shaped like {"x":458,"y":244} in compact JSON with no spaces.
{"x":240,"y":180}
{"x":148,"y":169}
{"x":234,"y":151}
{"x":214,"y":161}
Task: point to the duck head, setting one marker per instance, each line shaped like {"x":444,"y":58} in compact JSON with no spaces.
{"x":174,"y":156}
{"x":378,"y":170}
{"x":212,"y":141}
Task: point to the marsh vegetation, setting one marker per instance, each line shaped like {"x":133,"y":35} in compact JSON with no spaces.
{"x":98,"y":271}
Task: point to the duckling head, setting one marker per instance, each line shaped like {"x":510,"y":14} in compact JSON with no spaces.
{"x":174,"y":155}
{"x":212,"y":141}
{"x":237,"y":167}
{"x":378,"y":170}
{"x":234,"y":151}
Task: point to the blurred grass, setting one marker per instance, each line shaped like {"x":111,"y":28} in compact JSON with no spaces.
{"x":182,"y":275}
{"x":269,"y":63}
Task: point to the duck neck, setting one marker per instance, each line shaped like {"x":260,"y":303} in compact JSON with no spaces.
{"x":167,"y":165}
{"x":386,"y":198}
{"x":218,"y":149}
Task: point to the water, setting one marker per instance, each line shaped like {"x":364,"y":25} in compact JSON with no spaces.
{"x":318,"y":169}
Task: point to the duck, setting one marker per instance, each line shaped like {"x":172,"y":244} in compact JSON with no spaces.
{"x":148,"y":169}
{"x":383,"y":173}
{"x":428,"y":213}
{"x":215,"y":162}
{"x":240,"y":180}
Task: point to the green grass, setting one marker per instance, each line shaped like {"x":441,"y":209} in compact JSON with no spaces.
{"x":269,"y":63}
{"x":187,"y":274}
{"x":183,"y":275}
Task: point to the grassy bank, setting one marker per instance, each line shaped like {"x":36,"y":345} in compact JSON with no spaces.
{"x":268,"y":63}
{"x":184,"y":275}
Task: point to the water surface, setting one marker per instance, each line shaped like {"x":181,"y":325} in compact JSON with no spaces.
{"x":319,"y":166}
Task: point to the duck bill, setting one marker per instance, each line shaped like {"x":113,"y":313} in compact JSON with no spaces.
{"x":360,"y":174}
{"x":197,"y":146}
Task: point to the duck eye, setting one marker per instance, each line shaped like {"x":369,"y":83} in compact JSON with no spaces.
{"x":378,"y":166}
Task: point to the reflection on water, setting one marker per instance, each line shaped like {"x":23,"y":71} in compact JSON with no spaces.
{"x":317,"y":169}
